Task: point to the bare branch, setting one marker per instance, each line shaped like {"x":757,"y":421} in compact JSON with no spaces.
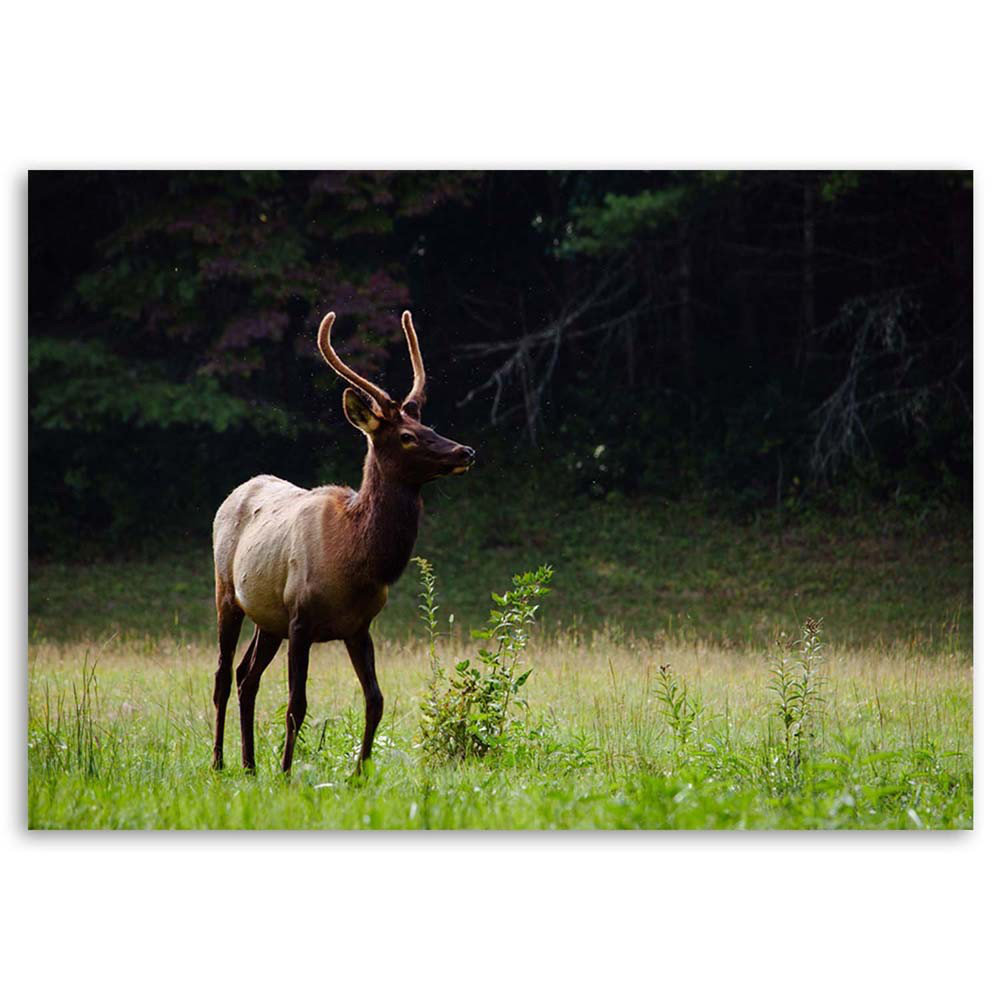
{"x":530,"y":361}
{"x":878,"y":329}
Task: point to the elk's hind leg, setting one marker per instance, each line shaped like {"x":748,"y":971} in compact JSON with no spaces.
{"x":259,"y":654}
{"x":230,"y":623}
{"x":298,"y":670}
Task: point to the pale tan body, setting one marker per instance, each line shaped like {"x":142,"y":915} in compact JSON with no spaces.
{"x":277,"y":552}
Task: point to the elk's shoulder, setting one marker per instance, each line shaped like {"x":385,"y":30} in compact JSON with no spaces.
{"x":336,"y":504}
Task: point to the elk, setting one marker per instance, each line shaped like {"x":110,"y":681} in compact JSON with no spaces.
{"x":316,"y":565}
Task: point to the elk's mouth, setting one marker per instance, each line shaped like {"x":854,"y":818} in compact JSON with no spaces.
{"x":465,"y":460}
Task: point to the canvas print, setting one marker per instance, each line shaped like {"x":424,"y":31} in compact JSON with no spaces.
{"x":509,"y":500}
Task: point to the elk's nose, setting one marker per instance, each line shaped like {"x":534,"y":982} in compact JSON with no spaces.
{"x":470,"y":454}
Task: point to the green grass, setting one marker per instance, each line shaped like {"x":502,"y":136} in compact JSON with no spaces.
{"x":122,"y":656}
{"x":125,"y":742}
{"x":637,"y":567}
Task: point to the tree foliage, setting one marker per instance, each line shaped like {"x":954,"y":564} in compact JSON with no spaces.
{"x":757,"y":334}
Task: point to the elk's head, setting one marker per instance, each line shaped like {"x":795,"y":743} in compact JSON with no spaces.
{"x":404,"y":447}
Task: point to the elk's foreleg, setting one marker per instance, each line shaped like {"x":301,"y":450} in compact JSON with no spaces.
{"x":298,"y":669}
{"x":362,"y":654}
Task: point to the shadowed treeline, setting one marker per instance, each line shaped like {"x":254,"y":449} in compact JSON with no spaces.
{"x":766,"y":339}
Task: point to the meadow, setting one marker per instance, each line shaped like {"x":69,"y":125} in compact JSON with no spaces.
{"x":124,"y":741}
{"x":870,"y":729}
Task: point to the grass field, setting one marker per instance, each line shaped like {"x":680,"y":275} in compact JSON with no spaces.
{"x":637,"y":566}
{"x":125,"y":742}
{"x":121,"y":663}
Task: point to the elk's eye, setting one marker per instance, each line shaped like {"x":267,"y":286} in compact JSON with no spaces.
{"x":407,"y":438}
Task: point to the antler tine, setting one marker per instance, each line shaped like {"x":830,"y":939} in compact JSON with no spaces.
{"x":330,"y":356}
{"x":416,"y":394}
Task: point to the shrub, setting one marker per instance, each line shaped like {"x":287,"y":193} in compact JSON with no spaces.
{"x":468,"y":714}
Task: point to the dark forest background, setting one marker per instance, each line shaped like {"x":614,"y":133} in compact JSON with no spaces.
{"x":760,"y":340}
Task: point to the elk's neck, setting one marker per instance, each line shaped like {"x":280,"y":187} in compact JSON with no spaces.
{"x":389,"y":513}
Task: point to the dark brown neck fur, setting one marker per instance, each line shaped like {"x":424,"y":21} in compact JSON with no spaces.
{"x":389,"y":515}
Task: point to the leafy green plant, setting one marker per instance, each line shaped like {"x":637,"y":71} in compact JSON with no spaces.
{"x":796,"y":681}
{"x":681,"y":709}
{"x":428,"y":609}
{"x":468,"y":714}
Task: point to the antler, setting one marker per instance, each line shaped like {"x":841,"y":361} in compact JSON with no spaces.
{"x":416,"y":394}
{"x":331,"y":358}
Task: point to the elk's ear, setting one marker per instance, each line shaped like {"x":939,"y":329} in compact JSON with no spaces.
{"x":359,"y":413}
